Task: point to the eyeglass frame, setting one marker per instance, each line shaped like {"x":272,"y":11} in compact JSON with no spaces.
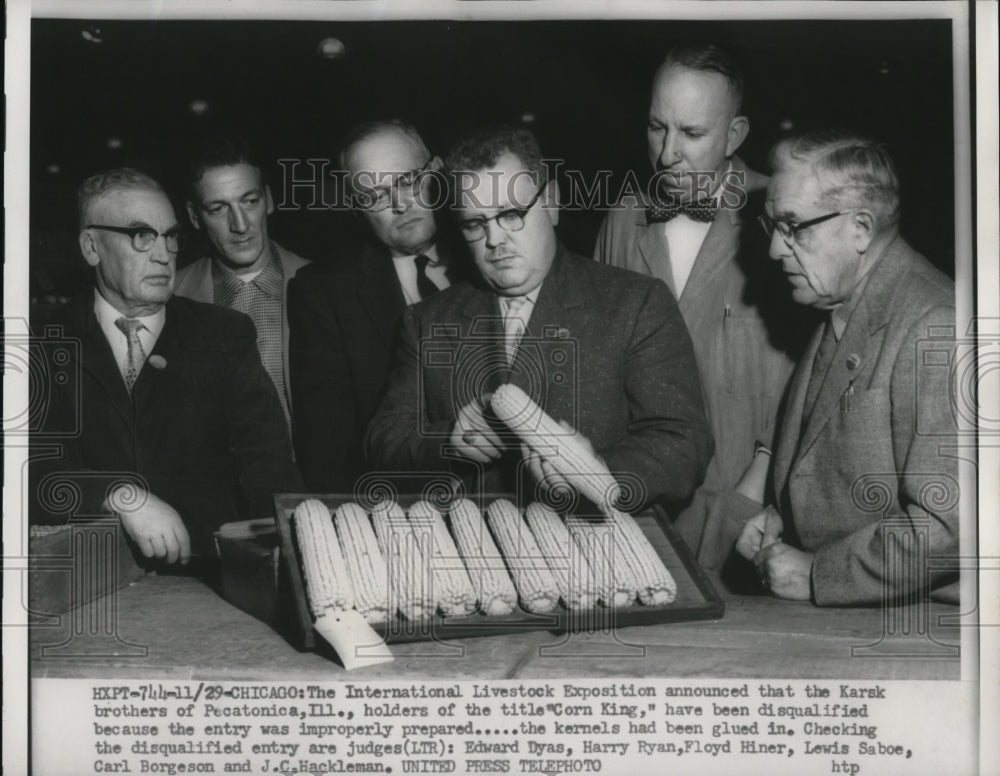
{"x":399,"y":182}
{"x":134,"y":231}
{"x":793,"y":229}
{"x":521,"y":213}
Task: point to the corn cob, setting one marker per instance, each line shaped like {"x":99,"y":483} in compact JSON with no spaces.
{"x":483,"y":561}
{"x":539,"y":431}
{"x":408,"y":583}
{"x":451,"y":586}
{"x":533,"y":579}
{"x":364,"y":561}
{"x":567,"y":562}
{"x":615,"y":585}
{"x":327,"y":581}
{"x":656,"y":586}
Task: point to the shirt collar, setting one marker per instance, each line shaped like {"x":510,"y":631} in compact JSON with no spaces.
{"x":107,"y":314}
{"x":270,"y":280}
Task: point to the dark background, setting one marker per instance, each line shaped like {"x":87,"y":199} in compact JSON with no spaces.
{"x":586,"y":84}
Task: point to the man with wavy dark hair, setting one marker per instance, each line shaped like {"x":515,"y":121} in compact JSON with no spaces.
{"x":601,"y":349}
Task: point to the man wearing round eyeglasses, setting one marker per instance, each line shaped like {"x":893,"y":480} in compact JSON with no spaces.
{"x":866,"y":488}
{"x":162,"y":413}
{"x":344,"y":314}
{"x":602,"y":350}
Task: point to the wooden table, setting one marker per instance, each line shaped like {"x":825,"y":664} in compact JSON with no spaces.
{"x":173,"y":627}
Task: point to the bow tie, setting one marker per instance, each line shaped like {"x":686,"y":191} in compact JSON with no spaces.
{"x":703,"y":211}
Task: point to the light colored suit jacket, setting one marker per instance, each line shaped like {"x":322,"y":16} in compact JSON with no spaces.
{"x":880,"y":443}
{"x":746,"y":337}
{"x":195,"y":282}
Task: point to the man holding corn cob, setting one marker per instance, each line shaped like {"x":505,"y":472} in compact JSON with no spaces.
{"x":691,"y":233}
{"x":601,"y":349}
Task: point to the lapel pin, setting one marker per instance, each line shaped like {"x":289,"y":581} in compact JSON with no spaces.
{"x":853,"y":361}
{"x":158,"y":362}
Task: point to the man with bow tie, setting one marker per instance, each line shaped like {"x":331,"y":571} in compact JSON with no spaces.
{"x":603,"y":350}
{"x":690,"y":232}
{"x":865,"y":478}
{"x":172,"y":425}
{"x":344,"y":315}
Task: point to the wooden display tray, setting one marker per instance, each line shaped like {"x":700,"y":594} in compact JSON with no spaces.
{"x":696,"y":597}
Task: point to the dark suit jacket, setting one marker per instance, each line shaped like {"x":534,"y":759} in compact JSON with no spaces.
{"x":344,"y":320}
{"x":205,"y":432}
{"x":605,"y":350}
{"x":880,"y":443}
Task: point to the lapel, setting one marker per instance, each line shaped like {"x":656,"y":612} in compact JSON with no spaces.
{"x":96,"y":356}
{"x":483,"y":323}
{"x":654,"y":251}
{"x":871,"y":315}
{"x":716,"y":253}
{"x":379,"y":292}
{"x":791,"y":424}
{"x":155,"y":389}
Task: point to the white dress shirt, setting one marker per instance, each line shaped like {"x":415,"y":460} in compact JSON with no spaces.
{"x":406,"y":271}
{"x":148,"y":335}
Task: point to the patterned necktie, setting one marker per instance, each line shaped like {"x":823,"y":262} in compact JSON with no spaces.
{"x":513,"y":327}
{"x":425,"y":286}
{"x":136,"y":356}
{"x":704,"y":211}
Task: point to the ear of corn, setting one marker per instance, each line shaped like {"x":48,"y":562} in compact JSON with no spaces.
{"x":655,"y":584}
{"x":451,"y":587}
{"x":365,"y":564}
{"x":533,"y":579}
{"x":409,"y":585}
{"x":539,"y":431}
{"x":483,"y":561}
{"x":567,"y":562}
{"x":614,"y":579}
{"x":327,"y":582}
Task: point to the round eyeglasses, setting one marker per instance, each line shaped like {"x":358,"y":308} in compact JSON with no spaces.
{"x":510,"y":220}
{"x":144,"y":237}
{"x":380,"y":197}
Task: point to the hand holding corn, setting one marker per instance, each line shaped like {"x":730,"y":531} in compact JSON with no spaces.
{"x":472,"y":437}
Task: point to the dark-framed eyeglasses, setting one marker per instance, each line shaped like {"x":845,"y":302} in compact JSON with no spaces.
{"x":790,"y":231}
{"x":144,"y":237}
{"x":379,"y":198}
{"x":510,"y":220}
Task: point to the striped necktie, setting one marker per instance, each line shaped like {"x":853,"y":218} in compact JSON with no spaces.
{"x":513,"y":326}
{"x":136,"y":356}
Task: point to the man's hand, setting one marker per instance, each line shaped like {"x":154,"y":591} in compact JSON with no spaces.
{"x":785,"y":571}
{"x":541,"y":468}
{"x":153,"y":525}
{"x":472,"y":437}
{"x":759,"y":532}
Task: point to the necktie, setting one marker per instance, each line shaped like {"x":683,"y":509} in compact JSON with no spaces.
{"x":513,"y":327}
{"x":136,"y":356}
{"x":424,"y":284}
{"x":704,"y":211}
{"x":827,"y":348}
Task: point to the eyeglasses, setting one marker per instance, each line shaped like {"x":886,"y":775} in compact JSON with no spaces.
{"x":144,"y":237}
{"x":789,"y":231}
{"x":510,"y":220}
{"x":380,"y":197}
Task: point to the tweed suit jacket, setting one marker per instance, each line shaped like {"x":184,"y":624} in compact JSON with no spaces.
{"x":195,"y":282}
{"x":871,"y":480}
{"x":747,"y":336}
{"x":605,"y":350}
{"x":202,"y":429}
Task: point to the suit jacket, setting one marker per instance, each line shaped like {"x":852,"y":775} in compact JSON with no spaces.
{"x":746,"y":336}
{"x":880,"y":442}
{"x":605,"y":350}
{"x":195,"y":282}
{"x":205,"y":431}
{"x":344,"y":319}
